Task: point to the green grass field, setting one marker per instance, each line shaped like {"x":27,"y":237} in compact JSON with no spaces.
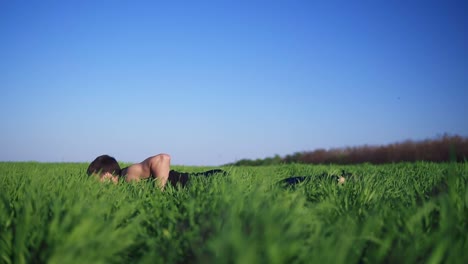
{"x":399,"y":213}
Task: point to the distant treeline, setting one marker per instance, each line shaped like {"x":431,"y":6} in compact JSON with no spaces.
{"x":442,"y":149}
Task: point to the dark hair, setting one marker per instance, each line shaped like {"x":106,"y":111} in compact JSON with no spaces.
{"x":104,"y":164}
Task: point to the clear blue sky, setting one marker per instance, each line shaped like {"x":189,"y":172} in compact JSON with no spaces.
{"x":212,"y":82}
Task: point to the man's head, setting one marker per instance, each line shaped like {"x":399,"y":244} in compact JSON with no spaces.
{"x":106,"y":167}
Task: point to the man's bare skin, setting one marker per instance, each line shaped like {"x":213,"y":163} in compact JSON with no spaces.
{"x":157,"y":167}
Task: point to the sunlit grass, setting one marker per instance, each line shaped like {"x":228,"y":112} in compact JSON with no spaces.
{"x":399,"y":213}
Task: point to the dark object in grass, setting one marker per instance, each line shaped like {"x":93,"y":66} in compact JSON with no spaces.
{"x":182,"y":178}
{"x":292,"y":181}
{"x":295,"y":180}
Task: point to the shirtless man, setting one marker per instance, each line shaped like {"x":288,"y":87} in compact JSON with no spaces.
{"x":107,"y":169}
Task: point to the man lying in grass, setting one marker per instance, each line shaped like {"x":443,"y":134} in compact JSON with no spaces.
{"x":106,"y":168}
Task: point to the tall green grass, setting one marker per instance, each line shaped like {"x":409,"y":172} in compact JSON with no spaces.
{"x":399,"y":213}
